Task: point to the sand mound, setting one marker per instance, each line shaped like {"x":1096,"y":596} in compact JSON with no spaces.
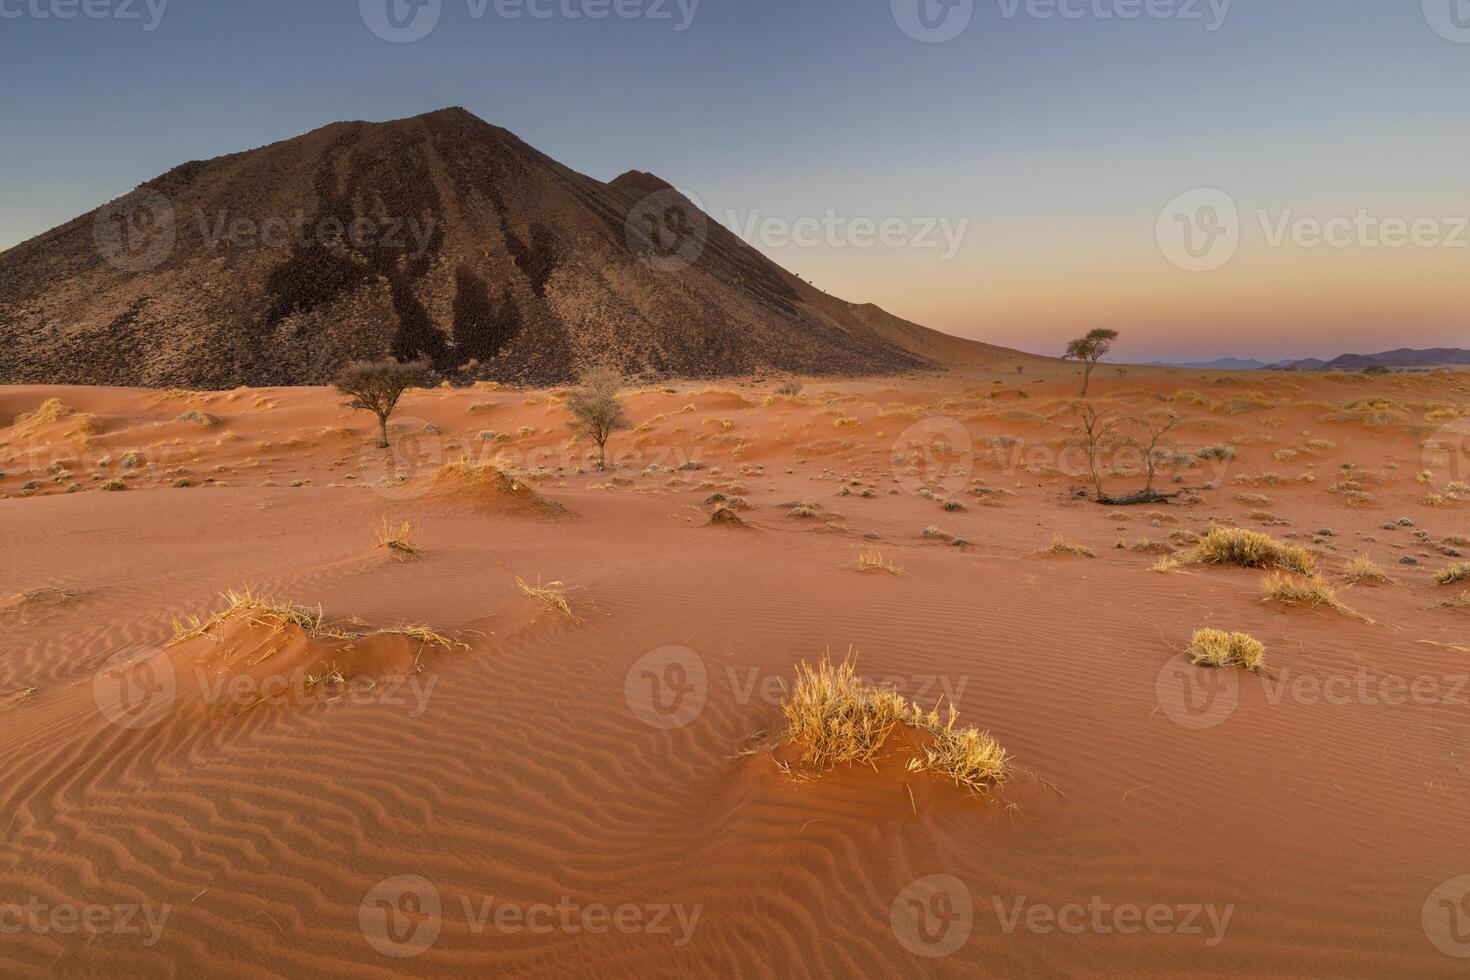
{"x":487,"y":486}
{"x":725,"y":517}
{"x":257,"y":652}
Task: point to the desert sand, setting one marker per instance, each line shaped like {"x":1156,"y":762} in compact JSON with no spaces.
{"x":514,"y":788}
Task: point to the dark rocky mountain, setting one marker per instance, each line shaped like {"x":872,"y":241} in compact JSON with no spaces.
{"x":439,"y":236}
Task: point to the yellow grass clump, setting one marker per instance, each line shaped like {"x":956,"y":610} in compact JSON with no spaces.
{"x":1453,"y":574}
{"x":51,"y":410}
{"x":1062,"y":547}
{"x":872,"y":560}
{"x":1251,"y":549}
{"x":260,"y":610}
{"x":554,"y":594}
{"x":1364,"y":570}
{"x":837,"y":717}
{"x":1219,"y":648}
{"x":398,"y":540}
{"x":1310,"y":592}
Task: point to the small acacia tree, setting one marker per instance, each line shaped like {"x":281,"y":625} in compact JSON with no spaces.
{"x":596,"y":411}
{"x":376,"y":386}
{"x":1089,"y":350}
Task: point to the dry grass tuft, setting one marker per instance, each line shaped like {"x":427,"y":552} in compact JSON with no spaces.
{"x":1308,"y":592}
{"x":837,"y":717}
{"x":872,"y":560}
{"x":554,"y":594}
{"x":398,"y":540}
{"x":1218,"y":648}
{"x":1363,"y":570}
{"x":259,"y":610}
{"x":51,"y":410}
{"x":1250,"y":549}
{"x":1061,"y":547}
{"x":1453,"y":574}
{"x":725,"y":516}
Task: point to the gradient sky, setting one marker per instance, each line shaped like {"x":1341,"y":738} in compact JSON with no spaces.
{"x":1054,"y":142}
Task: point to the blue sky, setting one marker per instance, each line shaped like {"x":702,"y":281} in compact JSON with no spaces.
{"x":1054,"y":140}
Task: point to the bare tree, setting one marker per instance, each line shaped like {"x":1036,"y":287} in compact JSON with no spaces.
{"x":376,"y":386}
{"x":1099,"y":432}
{"x":1157,"y":425}
{"x":596,"y":411}
{"x":1103,"y":430}
{"x":1089,"y":350}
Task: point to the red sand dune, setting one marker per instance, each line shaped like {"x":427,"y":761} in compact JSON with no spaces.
{"x":575,"y":797}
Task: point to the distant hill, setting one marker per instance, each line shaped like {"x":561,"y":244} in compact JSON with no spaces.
{"x":1404,"y":357}
{"x":1221,"y":364}
{"x":441,"y":237}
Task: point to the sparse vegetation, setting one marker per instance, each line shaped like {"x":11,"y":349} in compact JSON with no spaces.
{"x":1454,"y":573}
{"x":872,"y":560}
{"x":837,"y":718}
{"x":1219,"y":648}
{"x":1089,"y":350}
{"x":376,"y":386}
{"x":1251,"y":549}
{"x":596,"y":410}
{"x":554,"y":594}
{"x":1061,"y":547}
{"x":398,"y":539}
{"x":1362,"y":570}
{"x":1311,"y":592}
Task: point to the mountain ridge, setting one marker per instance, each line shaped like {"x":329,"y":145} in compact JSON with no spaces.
{"x":438,"y":236}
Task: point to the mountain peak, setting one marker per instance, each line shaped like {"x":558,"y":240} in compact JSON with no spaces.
{"x":440,"y":236}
